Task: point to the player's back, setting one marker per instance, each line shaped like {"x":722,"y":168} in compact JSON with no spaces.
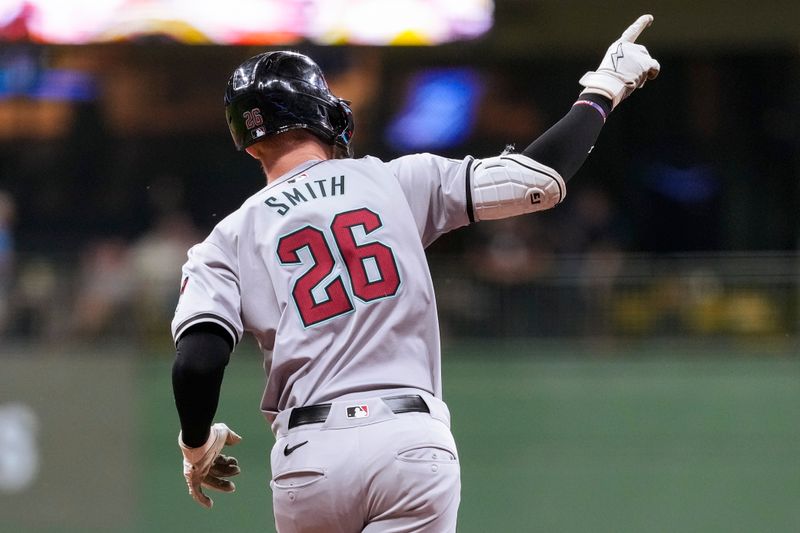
{"x":335,"y":284}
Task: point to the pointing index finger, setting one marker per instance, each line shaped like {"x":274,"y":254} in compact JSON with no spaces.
{"x":634,"y":30}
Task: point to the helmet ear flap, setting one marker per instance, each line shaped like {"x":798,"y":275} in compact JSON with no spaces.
{"x":345,"y":134}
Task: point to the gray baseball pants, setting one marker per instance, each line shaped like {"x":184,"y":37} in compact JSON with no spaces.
{"x":379,"y":473}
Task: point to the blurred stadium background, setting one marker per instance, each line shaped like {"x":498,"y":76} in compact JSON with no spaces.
{"x":627,"y":362}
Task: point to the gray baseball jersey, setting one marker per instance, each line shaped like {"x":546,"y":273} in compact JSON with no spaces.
{"x":325,"y":266}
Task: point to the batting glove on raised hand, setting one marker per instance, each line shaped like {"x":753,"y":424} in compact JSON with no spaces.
{"x":625,"y":67}
{"x":206,"y":467}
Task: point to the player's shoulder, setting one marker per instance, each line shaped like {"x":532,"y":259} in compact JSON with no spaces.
{"x":427,"y":158}
{"x":367,"y":165}
{"x":226,"y":232}
{"x":426,"y":163}
{"x":355,"y":162}
{"x":392,"y":168}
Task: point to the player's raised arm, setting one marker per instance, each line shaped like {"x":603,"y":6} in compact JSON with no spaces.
{"x":625,"y":67}
{"x":514,"y":184}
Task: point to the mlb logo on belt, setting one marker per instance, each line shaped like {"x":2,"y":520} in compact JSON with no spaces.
{"x":358,"y":411}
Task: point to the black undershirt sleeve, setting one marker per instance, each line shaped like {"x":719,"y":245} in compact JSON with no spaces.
{"x":203,"y":352}
{"x":566,"y":145}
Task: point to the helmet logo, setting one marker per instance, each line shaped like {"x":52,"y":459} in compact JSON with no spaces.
{"x":252,"y":118}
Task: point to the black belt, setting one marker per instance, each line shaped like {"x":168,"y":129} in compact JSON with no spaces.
{"x":314,"y":414}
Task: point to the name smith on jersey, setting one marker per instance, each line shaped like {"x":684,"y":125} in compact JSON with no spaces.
{"x":304,"y":192}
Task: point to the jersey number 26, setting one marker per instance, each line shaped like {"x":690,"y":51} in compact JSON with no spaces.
{"x":356,"y":257}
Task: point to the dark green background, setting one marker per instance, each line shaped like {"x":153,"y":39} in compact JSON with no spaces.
{"x":551,"y":439}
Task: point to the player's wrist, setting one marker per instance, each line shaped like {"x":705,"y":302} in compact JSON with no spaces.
{"x":193,"y":454}
{"x":606,"y":84}
{"x":194,"y":439}
{"x":600,"y":103}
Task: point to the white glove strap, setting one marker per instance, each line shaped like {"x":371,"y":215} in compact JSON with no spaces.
{"x":606,"y":83}
{"x":195,"y":455}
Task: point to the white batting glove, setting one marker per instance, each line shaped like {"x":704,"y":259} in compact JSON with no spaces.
{"x":206,"y":467}
{"x":625,"y":67}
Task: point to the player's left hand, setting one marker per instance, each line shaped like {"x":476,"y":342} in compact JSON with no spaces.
{"x":625,"y":67}
{"x":207,"y":467}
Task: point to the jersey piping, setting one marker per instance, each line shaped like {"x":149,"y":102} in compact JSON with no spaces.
{"x":206,"y":317}
{"x":468,"y":181}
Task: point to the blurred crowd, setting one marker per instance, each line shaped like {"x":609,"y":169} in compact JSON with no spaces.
{"x":559,"y":274}
{"x":6,"y":255}
{"x":683,"y":221}
{"x":123,"y":288}
{"x":542,"y":275}
{"x":113,"y":289}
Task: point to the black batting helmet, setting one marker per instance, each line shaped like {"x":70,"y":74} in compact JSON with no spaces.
{"x":276,"y":92}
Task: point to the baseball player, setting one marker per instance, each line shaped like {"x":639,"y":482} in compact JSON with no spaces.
{"x":326,"y":267}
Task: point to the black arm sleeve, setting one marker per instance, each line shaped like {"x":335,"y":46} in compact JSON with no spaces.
{"x":566,"y":145}
{"x":202,"y":354}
